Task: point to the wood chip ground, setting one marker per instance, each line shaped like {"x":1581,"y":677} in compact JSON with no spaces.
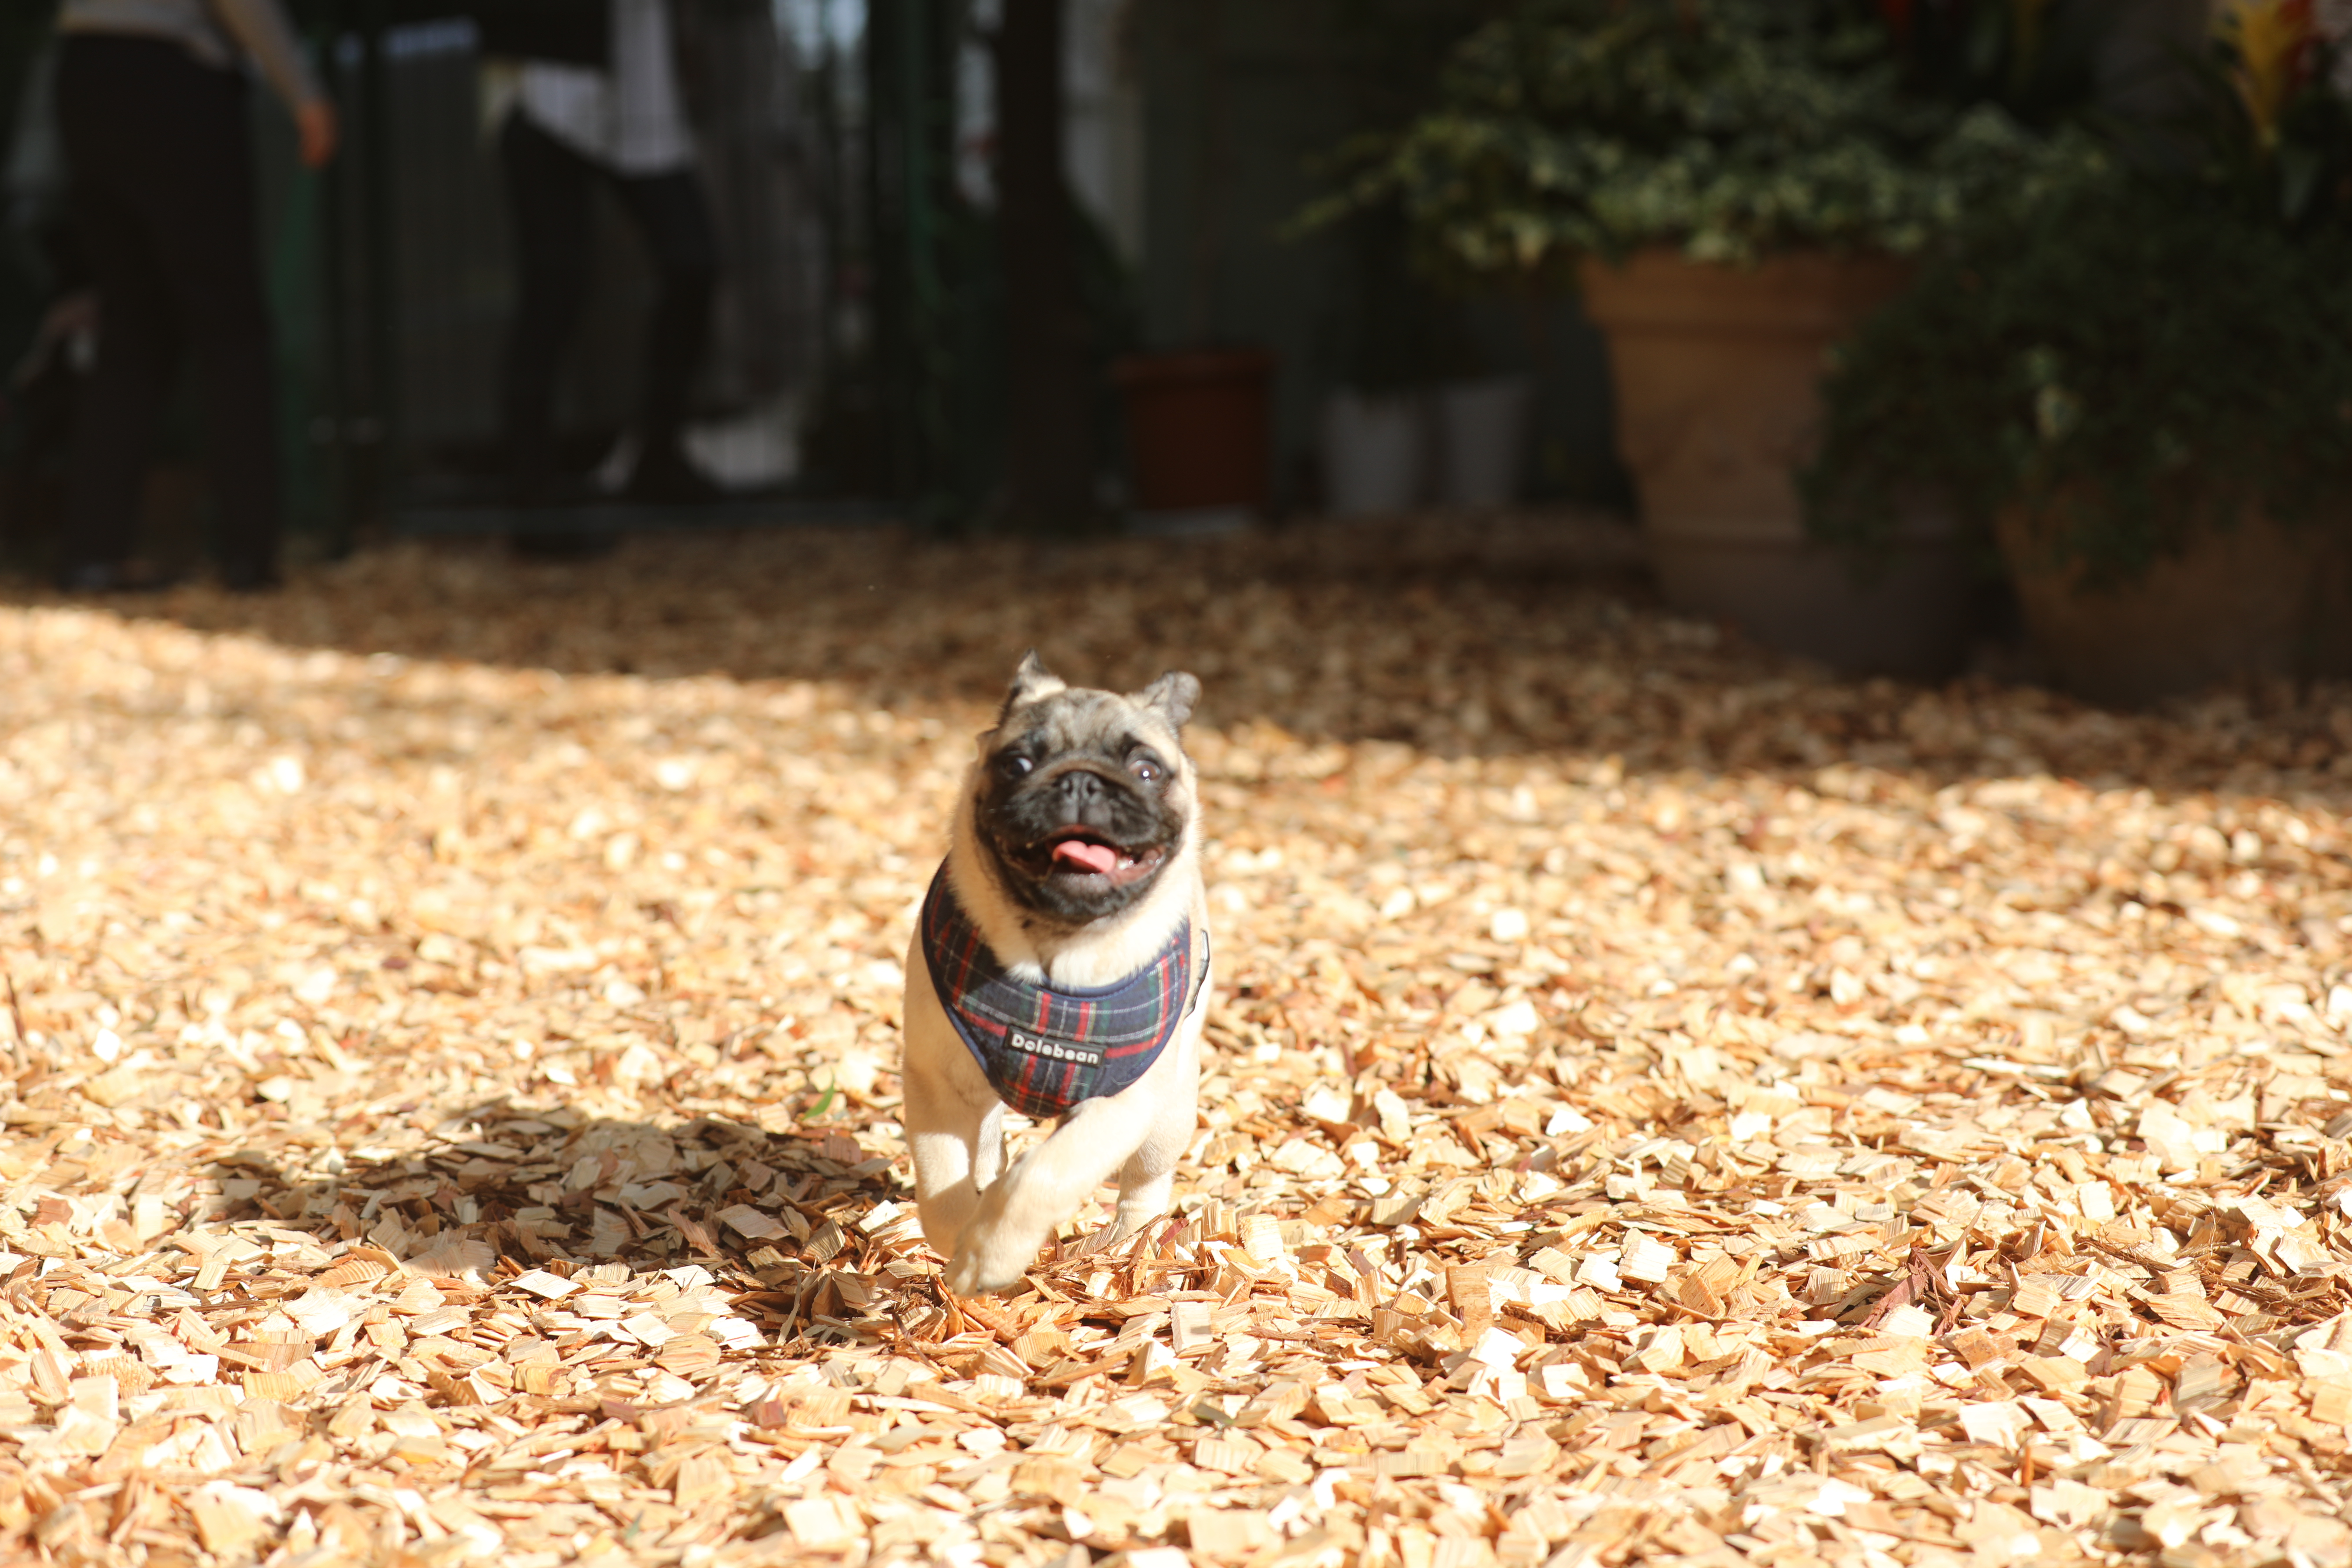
{"x":1667,"y":1105}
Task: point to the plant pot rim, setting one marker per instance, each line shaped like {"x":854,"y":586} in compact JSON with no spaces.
{"x":1793,"y":291}
{"x":1660,"y":252}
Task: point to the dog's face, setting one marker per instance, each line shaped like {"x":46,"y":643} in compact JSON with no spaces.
{"x":1083,"y":799}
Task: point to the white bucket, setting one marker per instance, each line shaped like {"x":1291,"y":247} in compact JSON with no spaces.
{"x":1482,"y":440}
{"x":1375,"y":453}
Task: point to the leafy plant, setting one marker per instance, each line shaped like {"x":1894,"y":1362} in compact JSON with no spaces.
{"x":2270,"y":126}
{"x":2138,"y":351}
{"x":2032,"y":58}
{"x":1730,"y":128}
{"x":2124,"y":361}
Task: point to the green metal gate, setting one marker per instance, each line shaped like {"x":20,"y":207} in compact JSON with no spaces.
{"x":852,"y":301}
{"x":394,"y":344}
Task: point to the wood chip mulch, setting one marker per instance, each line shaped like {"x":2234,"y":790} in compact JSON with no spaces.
{"x":1666,"y":1104}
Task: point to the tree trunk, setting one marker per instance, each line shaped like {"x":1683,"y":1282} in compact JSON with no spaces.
{"x":1049,"y":467}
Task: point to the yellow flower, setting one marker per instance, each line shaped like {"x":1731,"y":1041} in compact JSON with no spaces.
{"x":2274,"y":41}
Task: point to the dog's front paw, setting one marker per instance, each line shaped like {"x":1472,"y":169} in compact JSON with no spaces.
{"x":979,"y":1268}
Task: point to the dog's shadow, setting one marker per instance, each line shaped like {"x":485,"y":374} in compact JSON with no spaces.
{"x":811,"y":1228}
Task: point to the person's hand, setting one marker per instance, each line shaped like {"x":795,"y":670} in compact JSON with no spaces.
{"x":314,"y":127}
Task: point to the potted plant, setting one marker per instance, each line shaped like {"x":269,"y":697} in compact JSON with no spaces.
{"x":1735,"y":183}
{"x":2139,"y":382}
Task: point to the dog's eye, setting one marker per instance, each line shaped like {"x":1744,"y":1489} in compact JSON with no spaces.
{"x":1145,"y":769}
{"x":1015,"y":766}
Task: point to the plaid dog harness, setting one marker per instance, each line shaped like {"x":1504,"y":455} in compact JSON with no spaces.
{"x":1045,"y":1050}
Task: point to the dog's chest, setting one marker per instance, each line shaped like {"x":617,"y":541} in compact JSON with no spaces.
{"x":1044,"y":1049}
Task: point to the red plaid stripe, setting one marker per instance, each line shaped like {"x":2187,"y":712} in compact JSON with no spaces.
{"x":1045,"y":1050}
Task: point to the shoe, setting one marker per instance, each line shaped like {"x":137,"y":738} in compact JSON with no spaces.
{"x":113,"y":577}
{"x":250,"y":577}
{"x":665,"y":476}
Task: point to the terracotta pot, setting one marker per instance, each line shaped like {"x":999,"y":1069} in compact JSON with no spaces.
{"x":2254,"y":603}
{"x":1197,"y":428}
{"x":1717,"y":372}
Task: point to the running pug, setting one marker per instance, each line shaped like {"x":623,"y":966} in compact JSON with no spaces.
{"x":1060,"y":967}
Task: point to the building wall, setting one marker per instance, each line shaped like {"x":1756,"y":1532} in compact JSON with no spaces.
{"x":1241,"y":105}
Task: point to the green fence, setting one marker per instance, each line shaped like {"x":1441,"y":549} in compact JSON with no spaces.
{"x":820,"y":126}
{"x":855,"y":314}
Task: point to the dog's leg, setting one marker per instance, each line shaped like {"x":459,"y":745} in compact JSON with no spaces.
{"x":1147,"y":1181}
{"x":987,"y":1154}
{"x":955,"y":1124}
{"x":959,"y":1149}
{"x":1017,"y":1214}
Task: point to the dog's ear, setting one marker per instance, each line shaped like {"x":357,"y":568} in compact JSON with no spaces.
{"x":1170,"y":696}
{"x":1030,"y":682}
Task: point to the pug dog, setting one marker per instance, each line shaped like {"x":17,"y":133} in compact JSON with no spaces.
{"x":1060,"y":968}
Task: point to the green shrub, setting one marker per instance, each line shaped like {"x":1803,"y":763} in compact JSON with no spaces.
{"x":2149,"y":347}
{"x":1729,"y":128}
{"x":2124,"y":361}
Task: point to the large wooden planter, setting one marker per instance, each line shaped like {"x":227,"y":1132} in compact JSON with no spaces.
{"x":1716,"y":373}
{"x":2255,"y":603}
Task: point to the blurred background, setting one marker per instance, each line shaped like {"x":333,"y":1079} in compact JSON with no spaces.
{"x":850,"y":151}
{"x":1175,"y":266}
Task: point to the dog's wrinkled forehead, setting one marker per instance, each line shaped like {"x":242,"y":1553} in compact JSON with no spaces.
{"x":1075,"y":720}
{"x":1043,"y":712}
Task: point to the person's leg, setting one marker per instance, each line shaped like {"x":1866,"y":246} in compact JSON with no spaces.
{"x":673,"y":218}
{"x":122,"y":401}
{"x":202,"y":213}
{"x":550,"y":189}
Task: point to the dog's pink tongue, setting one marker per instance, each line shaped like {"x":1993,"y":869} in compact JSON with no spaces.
{"x":1078,"y":853}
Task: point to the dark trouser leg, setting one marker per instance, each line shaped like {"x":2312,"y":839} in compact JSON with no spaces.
{"x":164,"y":181}
{"x":549,"y":192}
{"x":214,"y":270}
{"x":673,"y":219}
{"x":120,"y":411}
